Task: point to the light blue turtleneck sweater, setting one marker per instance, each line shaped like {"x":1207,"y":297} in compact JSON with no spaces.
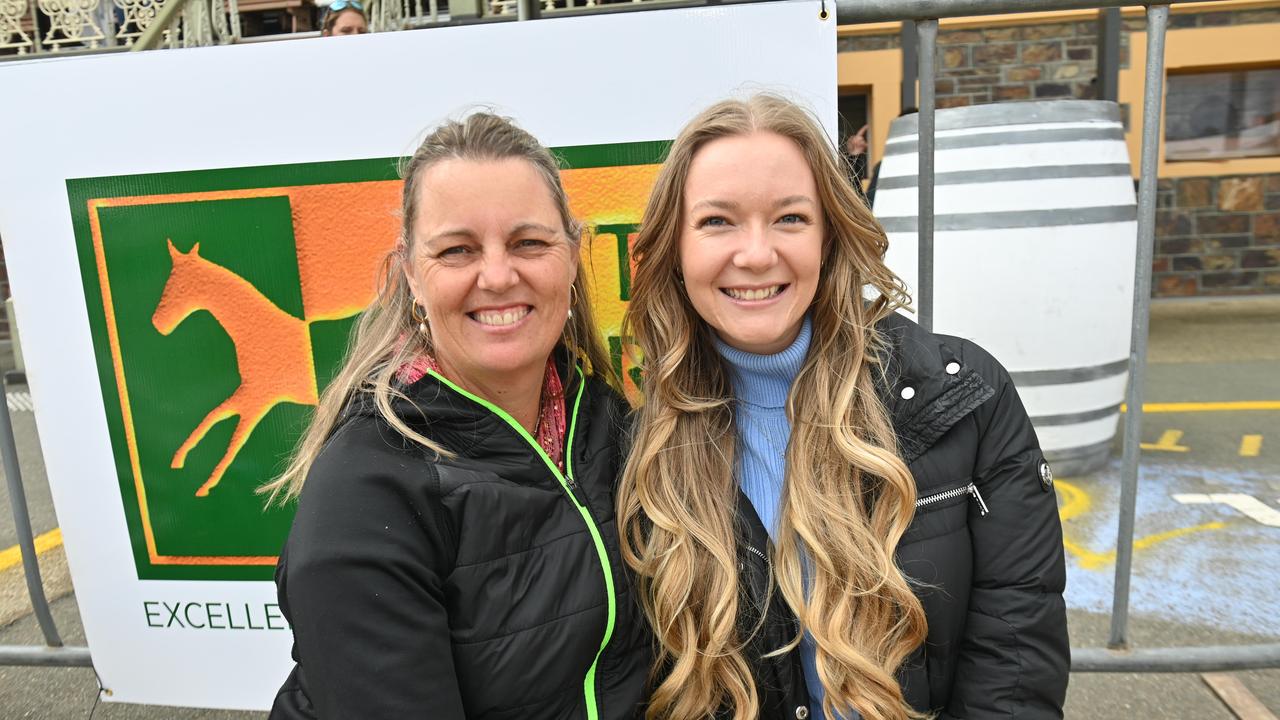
{"x":761,"y":384}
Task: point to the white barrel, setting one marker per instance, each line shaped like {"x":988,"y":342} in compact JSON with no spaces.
{"x":1034,"y":247}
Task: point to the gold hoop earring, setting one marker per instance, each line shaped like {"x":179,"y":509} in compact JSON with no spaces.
{"x":573,"y":299}
{"x":420,"y":319}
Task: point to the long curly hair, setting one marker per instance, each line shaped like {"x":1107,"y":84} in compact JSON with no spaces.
{"x":387,"y":335}
{"x":847,"y":499}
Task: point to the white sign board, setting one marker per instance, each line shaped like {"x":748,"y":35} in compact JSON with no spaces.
{"x":277,"y":158}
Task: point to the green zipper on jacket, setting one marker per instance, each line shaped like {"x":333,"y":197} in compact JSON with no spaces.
{"x":588,"y":683}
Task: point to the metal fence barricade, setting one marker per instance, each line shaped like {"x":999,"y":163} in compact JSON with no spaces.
{"x":53,"y":652}
{"x":925,"y":15}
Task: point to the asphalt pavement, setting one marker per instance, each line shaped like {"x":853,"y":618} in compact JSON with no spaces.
{"x":1205,"y":566}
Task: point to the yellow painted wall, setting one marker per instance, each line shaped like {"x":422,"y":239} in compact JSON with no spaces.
{"x":879,"y":73}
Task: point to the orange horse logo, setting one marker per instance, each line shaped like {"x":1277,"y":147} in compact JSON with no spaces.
{"x":273,"y":349}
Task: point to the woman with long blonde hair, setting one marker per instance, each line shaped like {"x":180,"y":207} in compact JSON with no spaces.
{"x":453,"y":554}
{"x":829,"y":511}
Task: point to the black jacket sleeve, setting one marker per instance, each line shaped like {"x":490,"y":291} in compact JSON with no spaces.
{"x":361,"y":583}
{"x":1015,"y":656}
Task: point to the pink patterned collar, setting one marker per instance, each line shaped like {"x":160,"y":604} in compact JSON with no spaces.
{"x":552,"y":417}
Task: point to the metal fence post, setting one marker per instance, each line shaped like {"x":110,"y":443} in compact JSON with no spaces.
{"x":36,"y":41}
{"x":927,"y":34}
{"x":1108,"y":54}
{"x":22,"y":523}
{"x":1157,"y":21}
{"x":910,"y":65}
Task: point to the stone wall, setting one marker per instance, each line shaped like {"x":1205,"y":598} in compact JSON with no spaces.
{"x":1217,"y":236}
{"x":1017,"y":63}
{"x":1012,"y":62}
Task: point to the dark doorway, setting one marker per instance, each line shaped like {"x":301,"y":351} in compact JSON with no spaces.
{"x":853,"y":106}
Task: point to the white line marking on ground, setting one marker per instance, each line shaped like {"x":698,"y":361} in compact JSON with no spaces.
{"x":1247,"y":505}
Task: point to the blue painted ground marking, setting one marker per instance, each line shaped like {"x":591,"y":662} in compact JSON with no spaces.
{"x":1227,"y":578}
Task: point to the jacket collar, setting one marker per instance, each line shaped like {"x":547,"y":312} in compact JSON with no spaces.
{"x":925,"y":386}
{"x":467,"y":427}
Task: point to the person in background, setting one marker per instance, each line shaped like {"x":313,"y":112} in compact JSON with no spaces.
{"x":830,"y":511}
{"x":344,"y":17}
{"x":855,"y":148}
{"x":454,"y":554}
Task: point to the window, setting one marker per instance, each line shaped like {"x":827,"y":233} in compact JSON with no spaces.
{"x":1216,"y":115}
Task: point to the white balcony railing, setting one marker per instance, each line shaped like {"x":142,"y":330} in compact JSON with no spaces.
{"x":32,"y":27}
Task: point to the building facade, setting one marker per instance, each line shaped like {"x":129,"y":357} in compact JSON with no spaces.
{"x":1218,"y":224}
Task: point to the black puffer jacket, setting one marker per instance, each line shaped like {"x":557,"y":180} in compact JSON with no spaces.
{"x":468,"y":588}
{"x":984,"y":551}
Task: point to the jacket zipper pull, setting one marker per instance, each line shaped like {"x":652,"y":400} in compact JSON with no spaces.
{"x":982,"y":506}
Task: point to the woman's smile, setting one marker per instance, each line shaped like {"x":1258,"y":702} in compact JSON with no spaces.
{"x":501,"y":318}
{"x":755,"y":295}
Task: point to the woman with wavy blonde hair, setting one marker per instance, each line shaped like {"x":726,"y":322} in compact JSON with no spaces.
{"x":806,"y":502}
